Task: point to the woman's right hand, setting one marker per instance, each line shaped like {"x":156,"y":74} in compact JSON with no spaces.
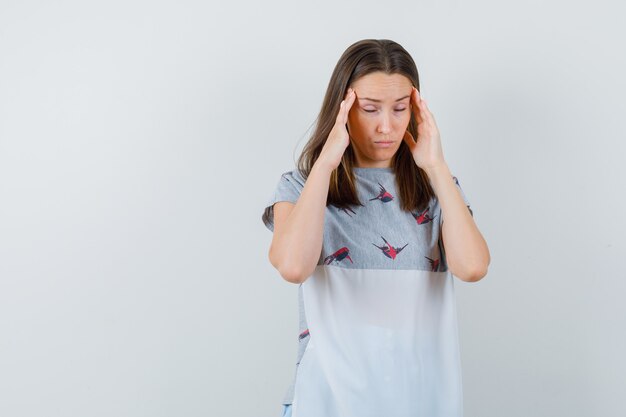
{"x":338,"y":138}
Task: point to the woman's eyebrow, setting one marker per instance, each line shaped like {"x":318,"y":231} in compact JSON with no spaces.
{"x":378,"y":101}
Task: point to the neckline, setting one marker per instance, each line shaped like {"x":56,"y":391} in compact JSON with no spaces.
{"x":379,"y":169}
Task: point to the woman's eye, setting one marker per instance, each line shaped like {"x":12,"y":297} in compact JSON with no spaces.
{"x":372,"y":111}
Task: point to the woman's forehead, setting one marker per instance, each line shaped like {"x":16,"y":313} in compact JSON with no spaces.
{"x":379,"y":86}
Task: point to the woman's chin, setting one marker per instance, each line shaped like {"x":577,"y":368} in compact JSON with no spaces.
{"x":385,"y":152}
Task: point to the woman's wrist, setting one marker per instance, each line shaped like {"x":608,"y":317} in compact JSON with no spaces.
{"x":323,"y":166}
{"x":437,"y":169}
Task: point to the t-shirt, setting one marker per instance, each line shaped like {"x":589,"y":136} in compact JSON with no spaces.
{"x":377,"y":318}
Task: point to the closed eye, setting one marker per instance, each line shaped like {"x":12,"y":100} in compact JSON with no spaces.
{"x":372,"y":111}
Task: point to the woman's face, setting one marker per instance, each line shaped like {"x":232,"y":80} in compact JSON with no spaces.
{"x":379,"y":117}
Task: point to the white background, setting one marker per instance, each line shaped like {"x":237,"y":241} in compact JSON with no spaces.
{"x":140,"y":141}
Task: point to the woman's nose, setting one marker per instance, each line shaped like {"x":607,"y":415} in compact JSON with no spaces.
{"x":384,"y":124}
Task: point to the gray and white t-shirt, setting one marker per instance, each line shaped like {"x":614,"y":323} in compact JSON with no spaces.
{"x":378,"y":316}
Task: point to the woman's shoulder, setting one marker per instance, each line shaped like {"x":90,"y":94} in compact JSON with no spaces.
{"x":294,"y":176}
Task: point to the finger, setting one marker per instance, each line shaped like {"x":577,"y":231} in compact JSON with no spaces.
{"x":341,"y":118}
{"x":347,"y":105}
{"x":427,"y":114}
{"x":408,"y":138}
{"x":348,"y":91}
{"x":416,"y":105}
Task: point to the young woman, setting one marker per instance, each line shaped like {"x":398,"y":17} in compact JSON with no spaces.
{"x":359,"y":227}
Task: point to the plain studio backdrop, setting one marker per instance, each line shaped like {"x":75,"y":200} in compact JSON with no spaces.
{"x":140,"y":141}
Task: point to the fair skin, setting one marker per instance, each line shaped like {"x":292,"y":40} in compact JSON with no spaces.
{"x":381,"y":112}
{"x":377,"y":108}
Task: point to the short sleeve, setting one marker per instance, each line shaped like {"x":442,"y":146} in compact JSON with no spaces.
{"x":467,"y":203}
{"x":289,"y":187}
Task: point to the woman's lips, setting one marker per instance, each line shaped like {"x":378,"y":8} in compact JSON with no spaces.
{"x":384,"y":143}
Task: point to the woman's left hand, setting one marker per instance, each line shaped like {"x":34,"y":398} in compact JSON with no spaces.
{"x":426,"y":151}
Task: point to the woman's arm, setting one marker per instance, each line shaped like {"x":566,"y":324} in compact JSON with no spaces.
{"x":299,"y":228}
{"x":467,"y":253}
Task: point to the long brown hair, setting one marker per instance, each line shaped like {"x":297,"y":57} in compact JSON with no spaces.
{"x":361,"y":58}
